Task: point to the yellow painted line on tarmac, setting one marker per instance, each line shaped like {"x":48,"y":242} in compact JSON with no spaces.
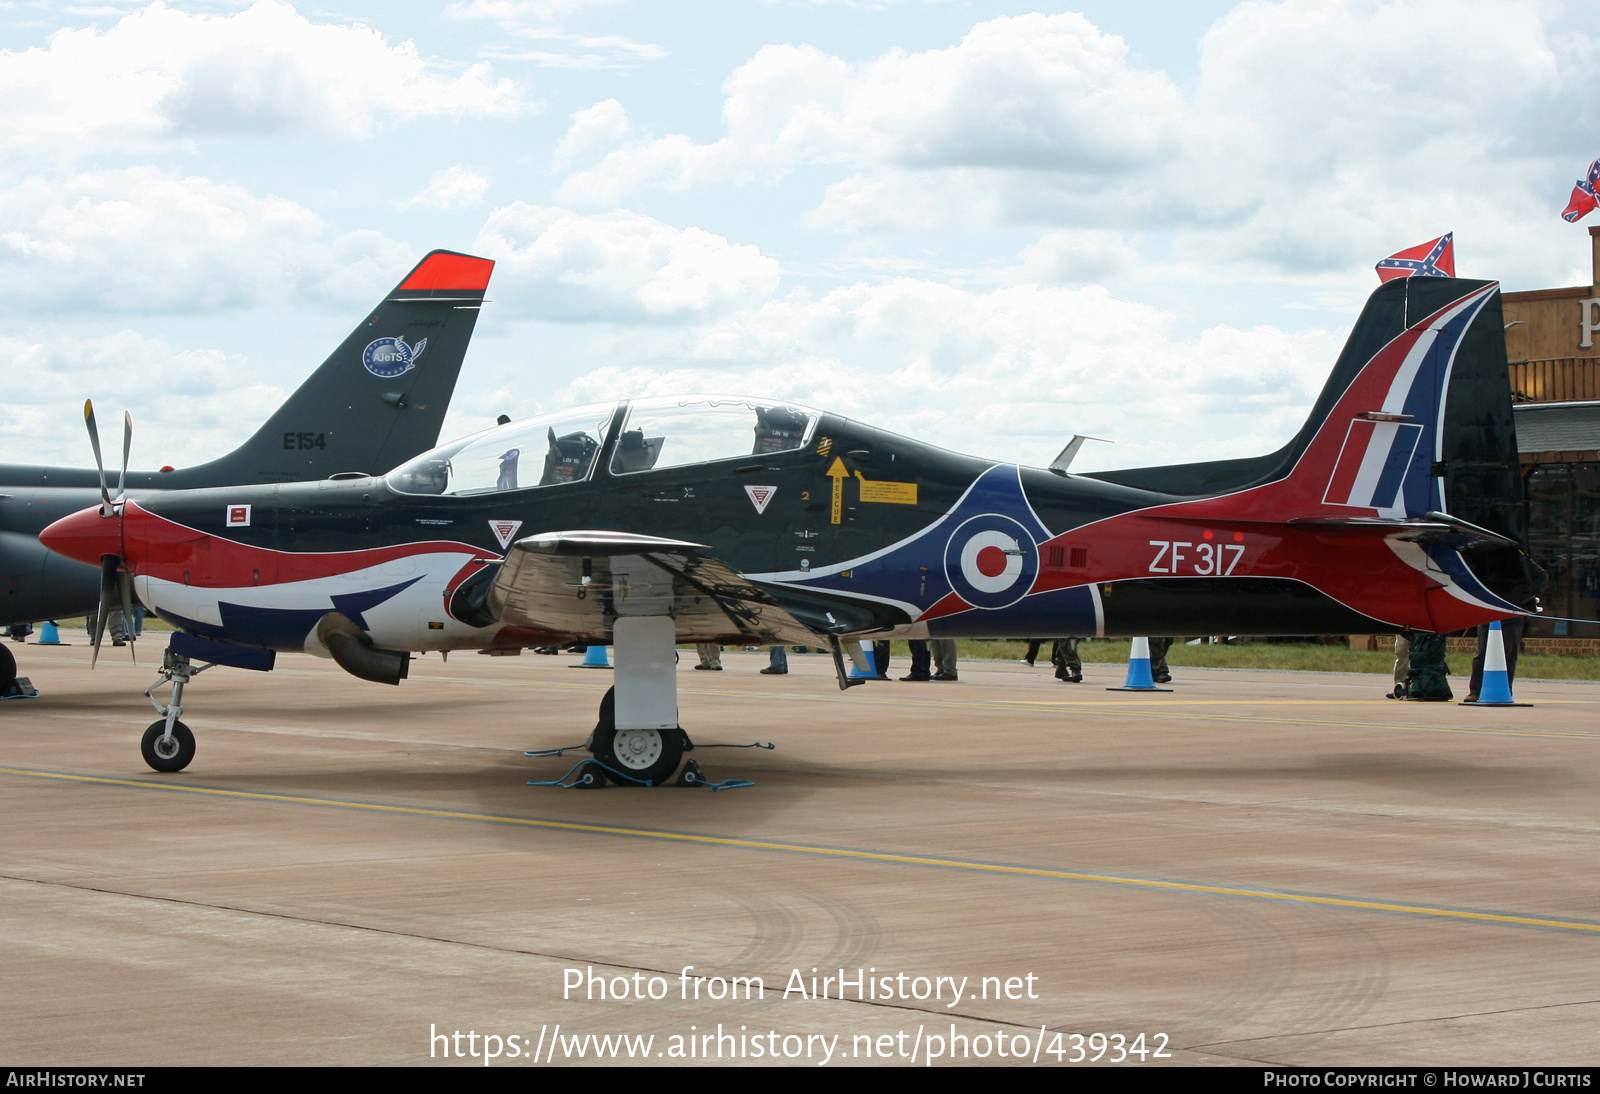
{"x":665,"y":836}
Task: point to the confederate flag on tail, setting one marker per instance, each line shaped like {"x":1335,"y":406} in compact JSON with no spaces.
{"x":1435,"y":258}
{"x":1584,"y":199}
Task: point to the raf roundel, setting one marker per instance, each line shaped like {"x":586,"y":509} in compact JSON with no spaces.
{"x":388,"y":358}
{"x":991,"y":561}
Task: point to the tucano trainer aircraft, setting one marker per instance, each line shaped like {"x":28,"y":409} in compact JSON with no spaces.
{"x":646,"y":523}
{"x":377,"y":400}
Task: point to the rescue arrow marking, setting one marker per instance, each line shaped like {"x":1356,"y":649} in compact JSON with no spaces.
{"x":838,"y":474}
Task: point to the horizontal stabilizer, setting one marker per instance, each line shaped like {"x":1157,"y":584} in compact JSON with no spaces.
{"x":1441,"y":528}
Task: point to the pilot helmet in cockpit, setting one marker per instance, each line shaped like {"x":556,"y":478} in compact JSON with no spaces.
{"x":779,"y":429}
{"x":568,"y":458}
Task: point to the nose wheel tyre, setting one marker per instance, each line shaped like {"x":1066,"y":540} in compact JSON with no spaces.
{"x":649,"y":755}
{"x":172,"y":754}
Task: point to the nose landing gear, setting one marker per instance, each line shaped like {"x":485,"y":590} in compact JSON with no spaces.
{"x":168,"y":745}
{"x":167,"y":748}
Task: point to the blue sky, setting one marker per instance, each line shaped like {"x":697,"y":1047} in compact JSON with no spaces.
{"x":989,"y":225}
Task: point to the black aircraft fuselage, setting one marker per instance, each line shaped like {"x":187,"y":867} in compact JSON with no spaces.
{"x":855,"y":531}
{"x":645,"y":523}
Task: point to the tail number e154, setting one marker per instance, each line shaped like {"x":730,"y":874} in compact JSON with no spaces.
{"x":1201,"y":559}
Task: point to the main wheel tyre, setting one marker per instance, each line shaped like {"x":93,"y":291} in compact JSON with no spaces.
{"x":647,"y":755}
{"x":8,"y":670}
{"x":167,"y":755}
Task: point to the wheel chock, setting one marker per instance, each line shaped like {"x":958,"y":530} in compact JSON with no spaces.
{"x":591,"y":776}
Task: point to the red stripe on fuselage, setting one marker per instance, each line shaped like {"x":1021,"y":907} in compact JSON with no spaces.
{"x":1356,"y":567}
{"x":949,"y":604}
{"x":157,"y":547}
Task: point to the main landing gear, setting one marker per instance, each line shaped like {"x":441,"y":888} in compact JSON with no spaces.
{"x":168,"y":745}
{"x":647,"y":757}
{"x":637,"y":740}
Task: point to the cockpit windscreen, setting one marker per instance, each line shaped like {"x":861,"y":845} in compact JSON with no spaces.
{"x":662,"y":433}
{"x":550,"y":450}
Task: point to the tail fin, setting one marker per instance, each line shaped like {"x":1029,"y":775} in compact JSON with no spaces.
{"x":1380,"y":450}
{"x":1415,"y":420}
{"x":380,"y":398}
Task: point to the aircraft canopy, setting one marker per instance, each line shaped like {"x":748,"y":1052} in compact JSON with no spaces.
{"x":557,"y":449}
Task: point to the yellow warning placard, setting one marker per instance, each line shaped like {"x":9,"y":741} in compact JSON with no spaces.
{"x":891,"y":493}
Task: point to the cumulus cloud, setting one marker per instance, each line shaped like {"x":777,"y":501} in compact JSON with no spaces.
{"x":512,"y":10}
{"x":538,"y":22}
{"x":1319,"y":134}
{"x":594,"y":129}
{"x":1332,"y":141}
{"x":1009,"y":373}
{"x":140,"y":240}
{"x":161,"y":74}
{"x":1034,"y":92}
{"x":451,"y":189}
{"x":619,"y":265}
{"x":186,"y":403}
{"x":1073,"y":256}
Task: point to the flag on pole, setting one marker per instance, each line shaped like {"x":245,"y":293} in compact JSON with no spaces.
{"x":1435,"y":258}
{"x":1584,"y":200}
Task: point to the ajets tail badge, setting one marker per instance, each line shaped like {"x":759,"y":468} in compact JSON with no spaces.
{"x":503,"y":530}
{"x":760,"y":496}
{"x":387,"y":358}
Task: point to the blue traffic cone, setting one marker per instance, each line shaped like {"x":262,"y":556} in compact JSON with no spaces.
{"x":1139,"y":678}
{"x":49,"y":636}
{"x":1495,"y":690}
{"x":872,"y":666}
{"x":594,"y":658}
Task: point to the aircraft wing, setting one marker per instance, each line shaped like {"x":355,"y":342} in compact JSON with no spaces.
{"x":1433,"y":527}
{"x":579,"y":582}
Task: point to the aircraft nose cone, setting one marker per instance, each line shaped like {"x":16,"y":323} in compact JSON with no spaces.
{"x":84,"y":536}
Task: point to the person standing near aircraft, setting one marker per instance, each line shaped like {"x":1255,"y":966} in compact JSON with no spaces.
{"x":1064,"y":656}
{"x":777,"y":662}
{"x":944,"y":652}
{"x":1429,"y":678}
{"x":880,"y":659}
{"x":919,"y":662}
{"x":1402,"y":666}
{"x":710,"y":656}
{"x":1158,"y":660}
